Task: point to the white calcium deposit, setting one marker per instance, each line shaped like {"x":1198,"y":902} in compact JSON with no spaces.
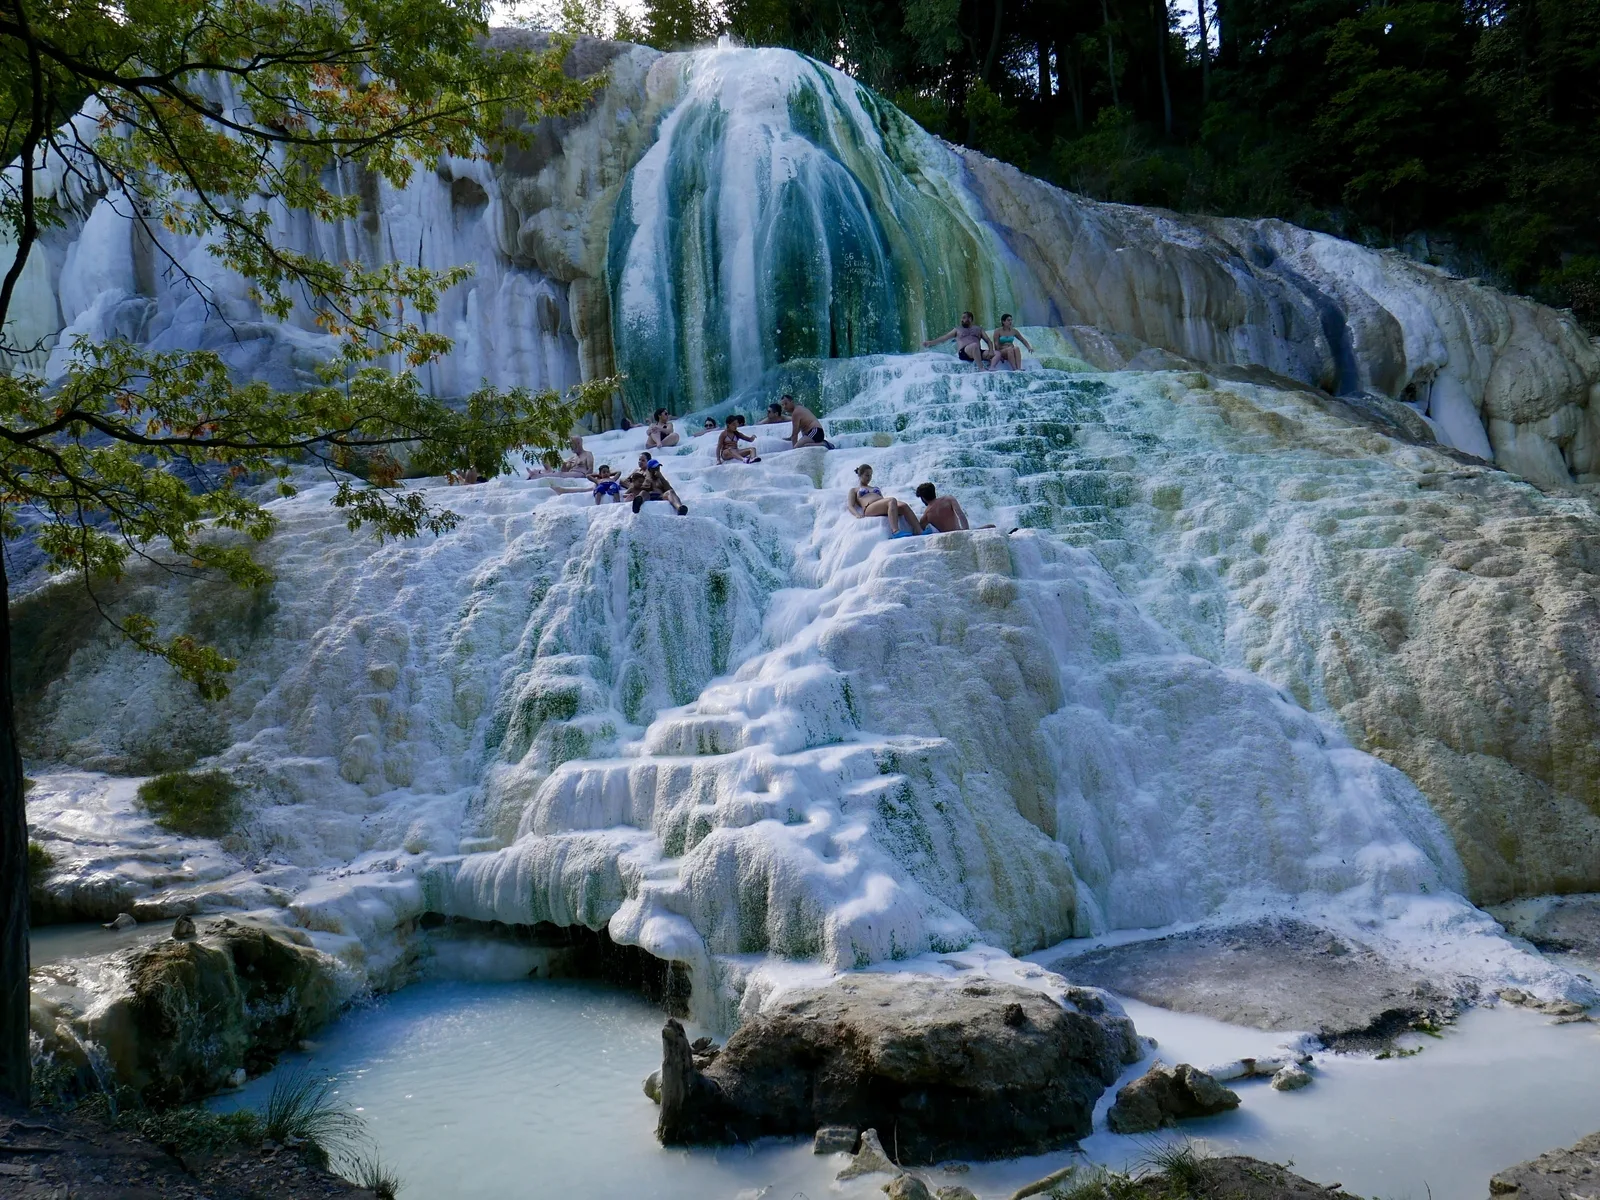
{"x":718,"y":212}
{"x":763,"y":735}
{"x":1239,"y":626}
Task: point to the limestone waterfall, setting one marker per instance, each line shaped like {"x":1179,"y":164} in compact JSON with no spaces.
{"x":1301,"y":611}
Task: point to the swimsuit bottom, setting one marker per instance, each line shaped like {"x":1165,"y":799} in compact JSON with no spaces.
{"x":814,"y":436}
{"x":609,"y":488}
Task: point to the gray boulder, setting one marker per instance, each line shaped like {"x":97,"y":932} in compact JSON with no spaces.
{"x":836,"y":1139}
{"x":1291,"y":1078}
{"x":907,"y":1187}
{"x":1164,"y":1095}
{"x":1273,"y":973}
{"x":1572,"y":1174}
{"x":943,"y":1069}
{"x":869,"y":1160}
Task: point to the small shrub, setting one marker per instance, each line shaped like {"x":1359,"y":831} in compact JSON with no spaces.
{"x":303,"y":1107}
{"x":181,"y":1130}
{"x":367,"y":1171}
{"x":196,"y":803}
{"x":40,"y":860}
{"x":1577,"y":286}
{"x":1101,"y":1184}
{"x":1182,"y":1166}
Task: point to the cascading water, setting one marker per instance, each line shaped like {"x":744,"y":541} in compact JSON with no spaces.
{"x":786,"y":212}
{"x":758,"y":735}
{"x":762,"y":743}
{"x":103,"y":274}
{"x":722,"y":211}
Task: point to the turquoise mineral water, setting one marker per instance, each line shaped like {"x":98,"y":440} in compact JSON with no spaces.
{"x":533,"y":1090}
{"x":525,"y":1090}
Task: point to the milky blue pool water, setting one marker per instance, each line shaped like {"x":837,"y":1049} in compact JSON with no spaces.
{"x":532,"y":1089}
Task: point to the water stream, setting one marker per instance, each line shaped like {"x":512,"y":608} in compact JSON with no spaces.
{"x":51,"y":944}
{"x":532,"y":1089}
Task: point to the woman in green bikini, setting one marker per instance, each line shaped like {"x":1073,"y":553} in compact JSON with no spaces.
{"x":1005,"y":345}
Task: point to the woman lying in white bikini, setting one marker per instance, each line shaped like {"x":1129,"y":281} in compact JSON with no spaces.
{"x":865,"y":500}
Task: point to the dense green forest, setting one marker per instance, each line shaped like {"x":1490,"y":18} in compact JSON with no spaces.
{"x":1466,"y":132}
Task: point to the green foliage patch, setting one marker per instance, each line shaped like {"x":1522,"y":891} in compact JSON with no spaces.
{"x":40,"y":861}
{"x":195,"y":803}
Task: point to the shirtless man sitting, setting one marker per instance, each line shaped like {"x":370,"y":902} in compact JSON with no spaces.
{"x":648,"y":483}
{"x":581,"y":463}
{"x":728,"y":448}
{"x":637,"y":481}
{"x":805,"y":429}
{"x":774,"y":415}
{"x":942,"y":513}
{"x":972,"y":343}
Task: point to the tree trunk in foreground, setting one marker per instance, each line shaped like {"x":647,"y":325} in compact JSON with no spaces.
{"x":1164,"y":30}
{"x":13,"y":884}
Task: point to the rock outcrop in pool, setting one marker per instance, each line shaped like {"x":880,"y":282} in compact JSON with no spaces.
{"x":942,"y":1070}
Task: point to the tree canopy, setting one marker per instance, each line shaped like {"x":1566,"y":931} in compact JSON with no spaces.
{"x":1464,"y":131}
{"x":206,"y":122}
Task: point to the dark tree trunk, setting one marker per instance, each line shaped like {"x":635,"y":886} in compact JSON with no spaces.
{"x":13,"y":884}
{"x":1071,"y":80}
{"x":1111,"y":58}
{"x":1205,"y":54}
{"x":1227,"y":55}
{"x":994,"y":41}
{"x":1043,"y":49}
{"x":1162,"y":32}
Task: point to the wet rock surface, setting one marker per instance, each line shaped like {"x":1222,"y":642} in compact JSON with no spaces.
{"x":1273,"y":974}
{"x":1561,"y":925}
{"x":1234,"y":1177}
{"x":940,"y":1069}
{"x":1164,"y":1095}
{"x":196,"y":1011}
{"x":1569,"y":1174}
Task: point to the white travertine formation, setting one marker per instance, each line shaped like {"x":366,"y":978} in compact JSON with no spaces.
{"x":1242,"y":626}
{"x":759,"y":734}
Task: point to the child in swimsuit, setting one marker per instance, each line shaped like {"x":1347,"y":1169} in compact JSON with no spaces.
{"x":728,"y":448}
{"x":606,"y":484}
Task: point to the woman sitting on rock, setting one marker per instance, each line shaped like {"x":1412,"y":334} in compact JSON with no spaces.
{"x":866,"y":500}
{"x":1005,"y":345}
{"x":660,"y":432}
